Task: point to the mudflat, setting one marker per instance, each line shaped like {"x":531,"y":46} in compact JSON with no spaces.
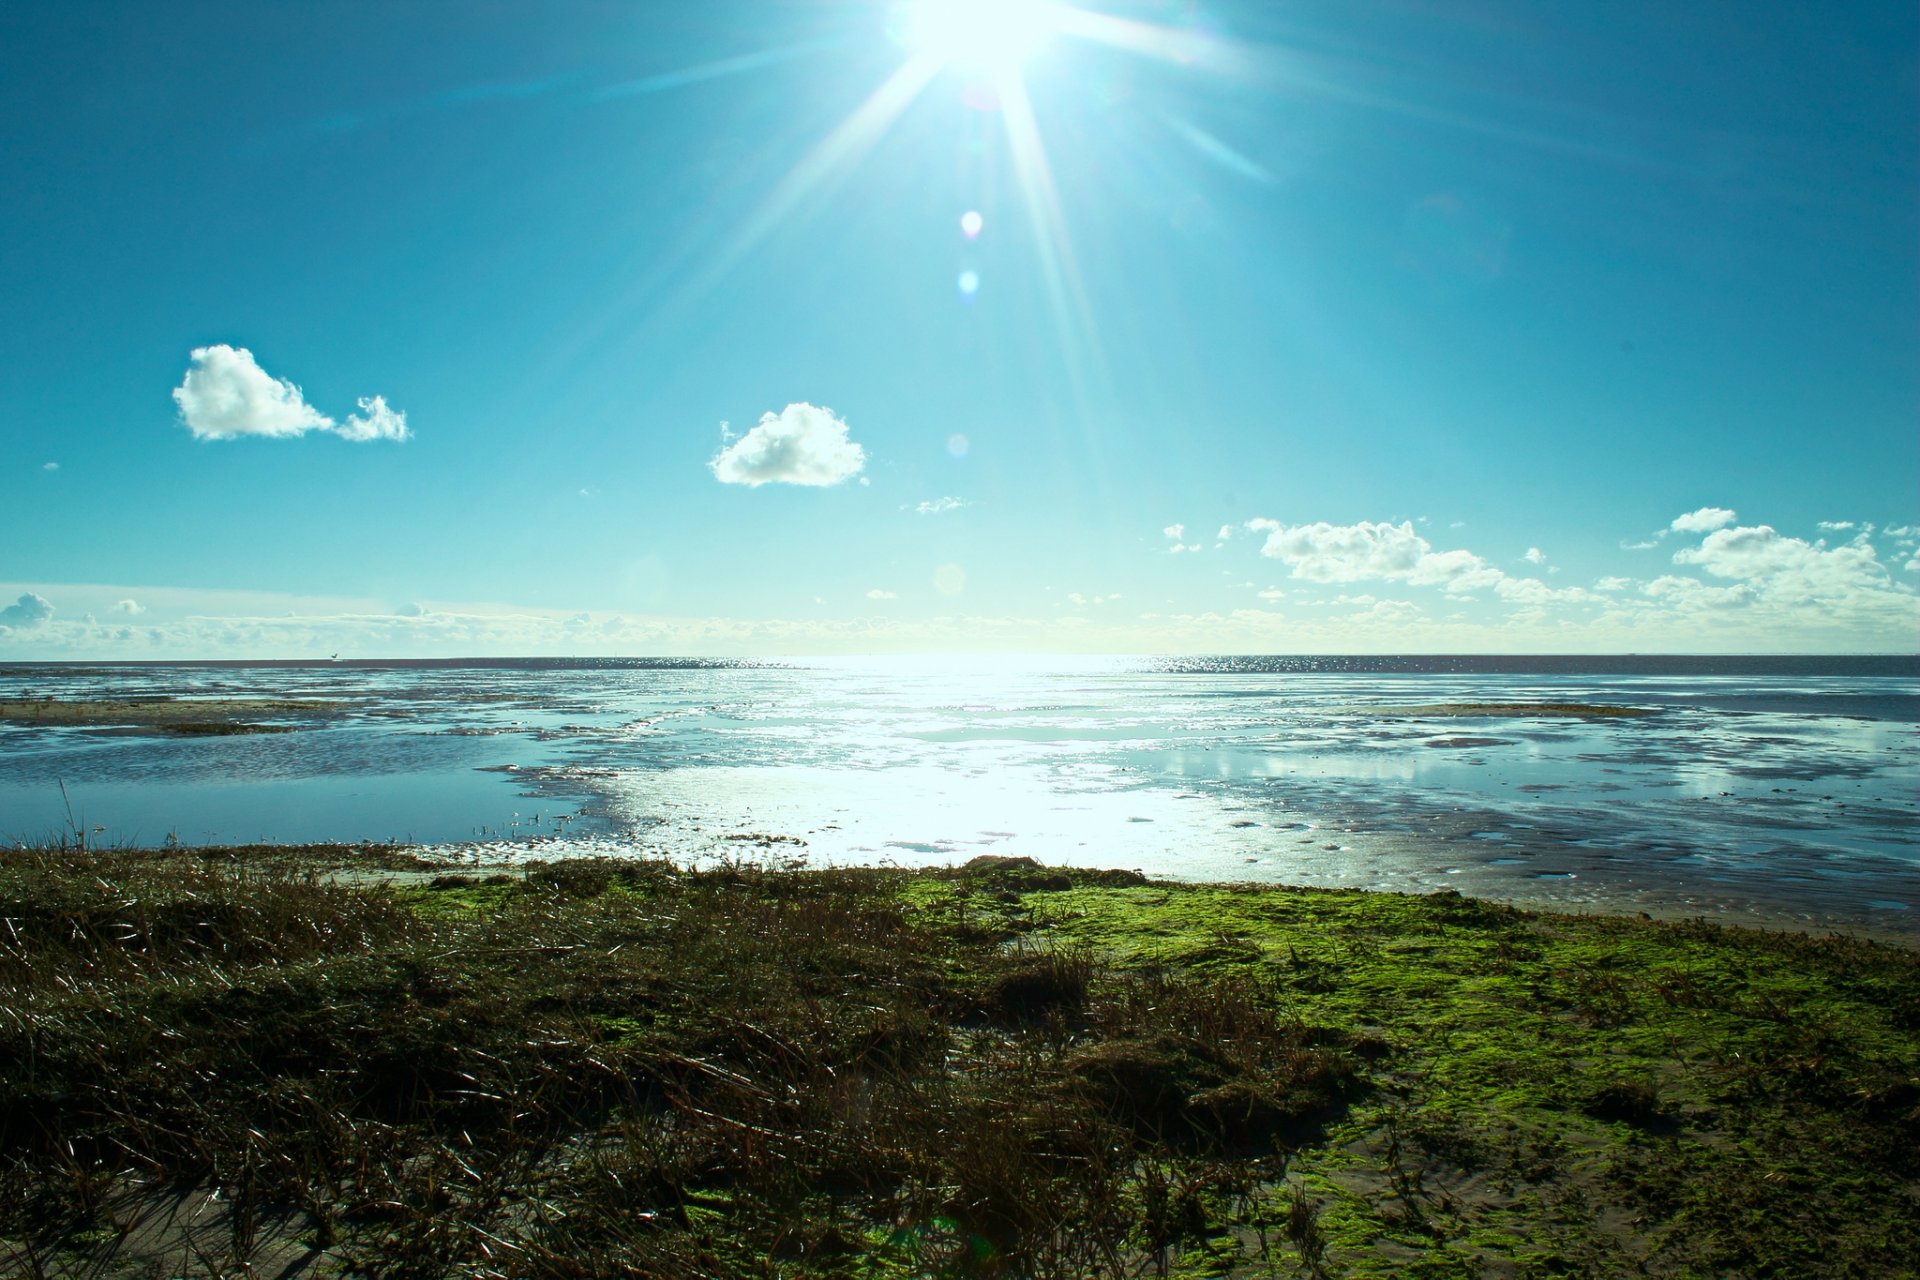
{"x":171,"y":715}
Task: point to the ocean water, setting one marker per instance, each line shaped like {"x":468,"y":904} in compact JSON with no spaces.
{"x":1766,"y":789}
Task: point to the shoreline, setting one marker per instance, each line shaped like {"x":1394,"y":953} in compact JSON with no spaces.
{"x":1647,"y":904}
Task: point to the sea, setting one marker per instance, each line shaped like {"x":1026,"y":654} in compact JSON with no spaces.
{"x":1766,"y":790}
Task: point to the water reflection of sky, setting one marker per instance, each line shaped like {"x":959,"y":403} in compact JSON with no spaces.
{"x":1786,"y":794}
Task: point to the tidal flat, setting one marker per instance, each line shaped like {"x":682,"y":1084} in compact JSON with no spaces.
{"x":201,"y":717}
{"x":336,"y":1061}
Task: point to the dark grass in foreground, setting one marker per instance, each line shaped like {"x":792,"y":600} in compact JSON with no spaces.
{"x":601,"y":1069}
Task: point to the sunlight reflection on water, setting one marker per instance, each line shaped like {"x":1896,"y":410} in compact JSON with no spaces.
{"x":1788,"y":793}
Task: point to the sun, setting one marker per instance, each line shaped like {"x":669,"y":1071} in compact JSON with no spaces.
{"x":991,"y":36}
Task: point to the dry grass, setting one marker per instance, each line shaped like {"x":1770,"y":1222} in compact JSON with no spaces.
{"x":611,"y":1069}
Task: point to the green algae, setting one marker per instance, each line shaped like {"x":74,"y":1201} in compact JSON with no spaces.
{"x":1575,"y":1095}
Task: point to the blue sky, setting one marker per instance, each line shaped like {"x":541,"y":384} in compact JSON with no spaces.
{"x":1479,"y":326}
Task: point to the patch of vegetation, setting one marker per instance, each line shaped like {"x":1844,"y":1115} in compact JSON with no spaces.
{"x":609,"y":1068}
{"x":173,"y":715}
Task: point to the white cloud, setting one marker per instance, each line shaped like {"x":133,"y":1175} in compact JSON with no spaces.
{"x":1535,"y":556}
{"x":935,"y":506}
{"x":375,"y":421}
{"x":30,"y":610}
{"x":226,"y":395}
{"x":1647,"y":545}
{"x":1325,"y":552}
{"x":1379,"y":551}
{"x":1613,"y":584}
{"x":1226,"y":532}
{"x":1273,"y":593}
{"x":802,"y":444}
{"x":49,"y":466}
{"x":1705,"y":520}
{"x":1836,"y":526}
{"x":1176,"y":532}
{"x":1691,"y":593}
{"x":880,"y":594}
{"x":129,"y":607}
{"x":1792,"y":571}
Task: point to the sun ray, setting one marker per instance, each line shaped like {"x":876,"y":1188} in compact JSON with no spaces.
{"x":1073,"y":318}
{"x":1170,"y":44}
{"x":850,"y":139}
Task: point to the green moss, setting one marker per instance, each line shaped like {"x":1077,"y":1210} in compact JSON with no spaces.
{"x":1002,"y":1069}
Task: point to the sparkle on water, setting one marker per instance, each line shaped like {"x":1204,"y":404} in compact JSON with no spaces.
{"x":1785,"y":794}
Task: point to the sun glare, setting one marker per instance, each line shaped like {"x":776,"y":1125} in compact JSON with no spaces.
{"x":995,"y":36}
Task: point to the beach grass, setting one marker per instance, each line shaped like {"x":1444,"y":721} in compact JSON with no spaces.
{"x":330,"y":1062}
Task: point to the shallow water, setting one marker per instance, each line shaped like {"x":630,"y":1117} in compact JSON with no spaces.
{"x":1779,"y":789}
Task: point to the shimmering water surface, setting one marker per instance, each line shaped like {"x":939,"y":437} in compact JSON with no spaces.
{"x":1780,"y":789}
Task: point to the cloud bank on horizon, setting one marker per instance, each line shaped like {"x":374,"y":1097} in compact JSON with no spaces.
{"x":1760,"y":588}
{"x":226,"y":395}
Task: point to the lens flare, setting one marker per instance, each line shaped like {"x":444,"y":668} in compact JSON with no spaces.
{"x":970,"y":224}
{"x":969,"y":283}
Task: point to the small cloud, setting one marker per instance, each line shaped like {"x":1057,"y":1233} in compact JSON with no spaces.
{"x":132,"y":608}
{"x":1648,"y":545}
{"x":1273,"y":593}
{"x":1176,"y":532}
{"x":49,"y":466}
{"x":1613,"y":584}
{"x":1535,"y":556}
{"x":226,"y":395}
{"x":30,"y":610}
{"x":1226,"y":532}
{"x":1705,"y":520}
{"x":935,"y":506}
{"x":375,"y":421}
{"x":802,"y":444}
{"x":1457,"y":524}
{"x":879,"y":594}
{"x":1836,"y":526}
